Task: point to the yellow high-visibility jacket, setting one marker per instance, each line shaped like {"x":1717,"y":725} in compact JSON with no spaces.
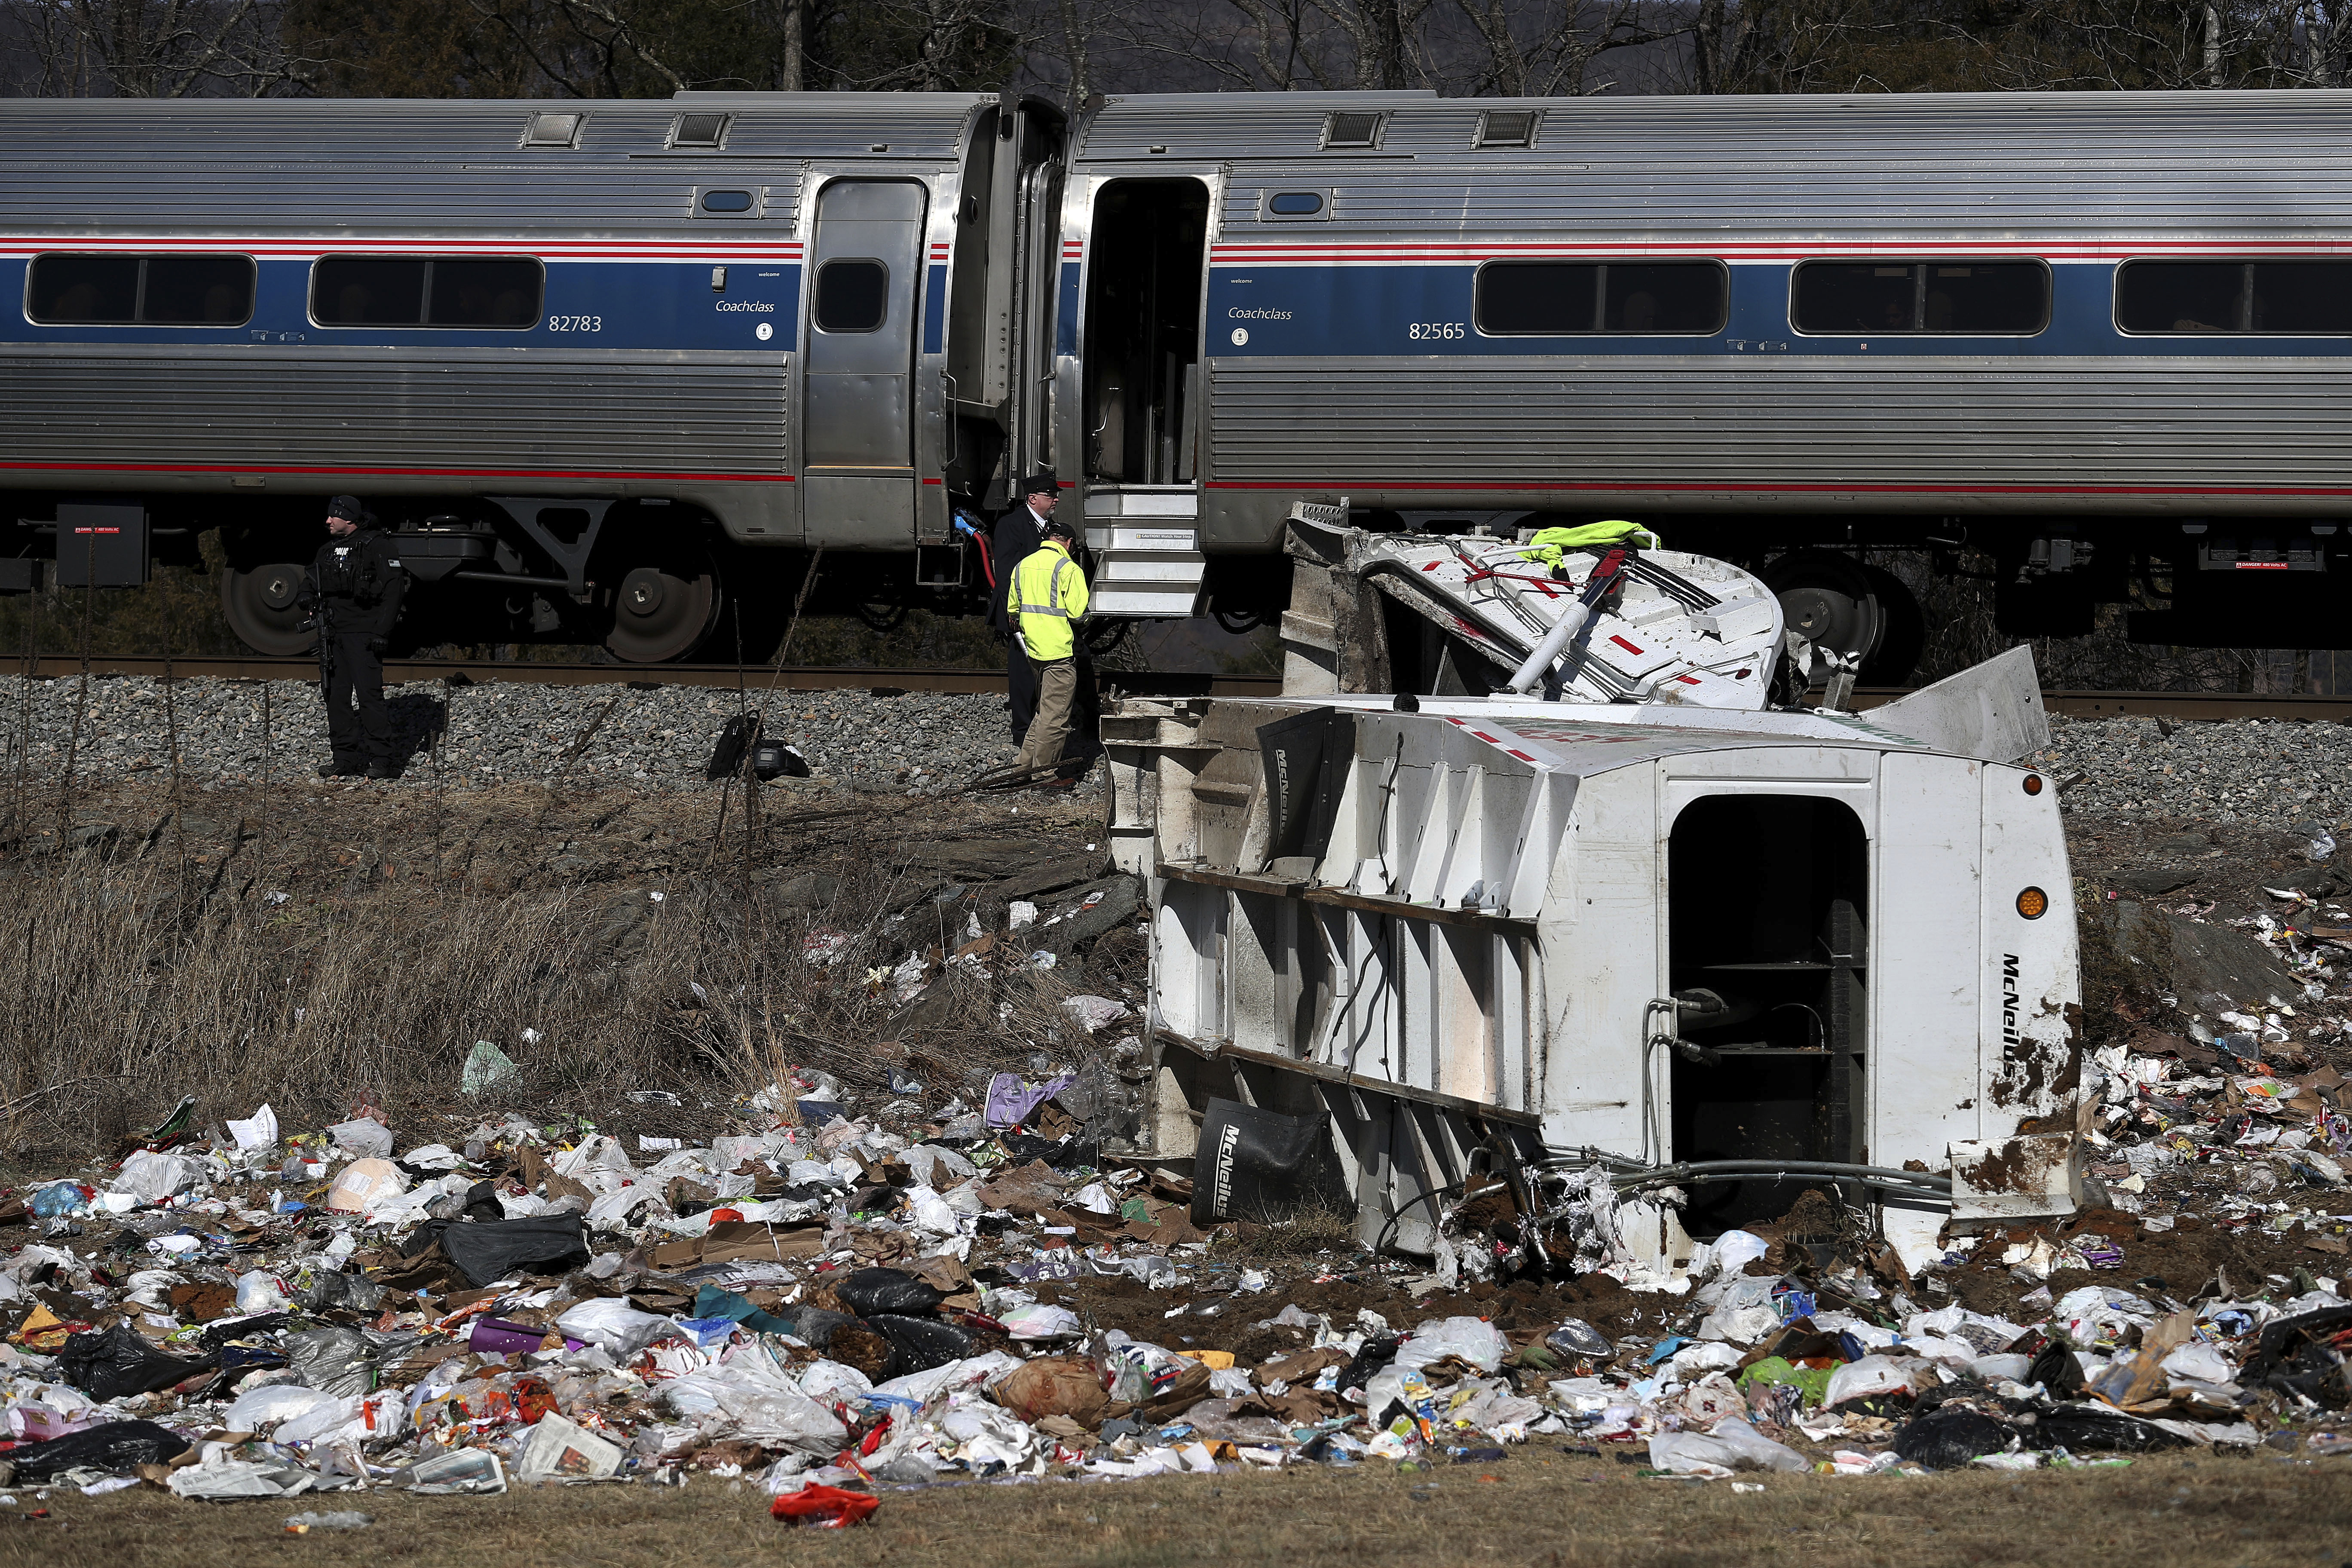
{"x":1550,"y":544}
{"x":1047,"y":595}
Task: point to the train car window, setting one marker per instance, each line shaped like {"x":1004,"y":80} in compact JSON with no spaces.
{"x":491,"y":291}
{"x":197,"y":291}
{"x":368,"y":291}
{"x":2302,"y":297}
{"x":1663,"y":297}
{"x":84,"y":289}
{"x":1547,"y":299}
{"x":1984,"y":296}
{"x":852,"y":296}
{"x":1295,"y":204}
{"x":1539,"y":298}
{"x":700,"y":130}
{"x":163,"y":291}
{"x":726,"y":201}
{"x":497,"y":291}
{"x":2181,"y":297}
{"x":1961,"y":298}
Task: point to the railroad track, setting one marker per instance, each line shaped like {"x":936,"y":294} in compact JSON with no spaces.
{"x":2181,"y":706}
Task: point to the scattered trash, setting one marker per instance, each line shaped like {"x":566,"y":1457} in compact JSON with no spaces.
{"x":487,"y":1067}
{"x":345,"y":1519}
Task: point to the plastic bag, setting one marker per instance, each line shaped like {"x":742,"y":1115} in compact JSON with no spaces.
{"x":117,"y":1362}
{"x":363,"y":1137}
{"x":113,"y":1447}
{"x":870,"y":1290}
{"x":611,"y":1322}
{"x":1756,"y":1450}
{"x":154,"y":1177}
{"x":364,"y":1182}
{"x":59,"y":1199}
{"x":1472,"y":1339}
{"x":1865,"y":1379}
{"x":487,"y":1067}
{"x":921,"y":1343}
{"x":1054,"y":1385}
{"x":828,"y":1508}
{"x":487,"y":1251}
{"x":260,"y":1291}
{"x":1575,"y":1339}
{"x":341,"y":1361}
{"x":260,"y":1409}
{"x":1950,"y":1437}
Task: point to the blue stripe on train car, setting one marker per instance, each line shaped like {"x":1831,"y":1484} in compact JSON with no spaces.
{"x":935,"y":309}
{"x":1065,"y":313}
{"x":634,"y":305}
{"x":1369,"y":309}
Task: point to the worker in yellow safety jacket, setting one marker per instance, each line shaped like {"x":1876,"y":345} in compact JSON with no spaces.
{"x":1044,"y":601}
{"x":1552,"y":545}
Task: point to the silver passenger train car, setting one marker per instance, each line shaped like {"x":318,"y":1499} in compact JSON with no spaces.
{"x":609,"y":367}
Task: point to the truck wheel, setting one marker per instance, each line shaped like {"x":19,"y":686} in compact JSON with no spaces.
{"x":257,"y":602}
{"x":1829,"y":598}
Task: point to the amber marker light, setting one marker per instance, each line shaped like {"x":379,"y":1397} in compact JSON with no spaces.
{"x":2033,"y":783}
{"x":2033,"y":904}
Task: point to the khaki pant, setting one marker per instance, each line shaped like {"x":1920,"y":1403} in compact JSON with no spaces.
{"x":1057,"y":691}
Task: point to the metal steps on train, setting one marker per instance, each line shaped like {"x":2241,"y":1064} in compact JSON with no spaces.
{"x":1147,"y":549}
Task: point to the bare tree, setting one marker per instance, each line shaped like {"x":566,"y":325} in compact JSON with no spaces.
{"x":147,"y":48}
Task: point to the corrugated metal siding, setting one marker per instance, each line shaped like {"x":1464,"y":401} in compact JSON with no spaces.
{"x":1785,"y":164}
{"x":2028,"y":422}
{"x":165,"y":409}
{"x":312,"y":162}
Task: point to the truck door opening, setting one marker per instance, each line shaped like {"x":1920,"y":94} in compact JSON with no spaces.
{"x":1766,"y":917}
{"x":1143,"y":332}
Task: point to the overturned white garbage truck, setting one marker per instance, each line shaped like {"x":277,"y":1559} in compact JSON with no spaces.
{"x":1599,"y":919}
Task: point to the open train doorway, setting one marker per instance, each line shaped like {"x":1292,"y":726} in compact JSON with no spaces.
{"x":1143,"y":332}
{"x":1766,"y":917}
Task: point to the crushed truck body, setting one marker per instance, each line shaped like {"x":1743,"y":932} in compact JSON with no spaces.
{"x":1428,"y":956}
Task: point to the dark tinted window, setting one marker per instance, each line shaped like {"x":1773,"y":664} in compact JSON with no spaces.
{"x":198,"y":291}
{"x":2181,"y":297}
{"x":2284,"y":297}
{"x":1295,"y":204}
{"x":852,"y":296}
{"x":426,"y":291}
{"x":726,"y":201}
{"x":499,"y":292}
{"x":368,"y":291}
{"x":167,"y":291}
{"x":1538,"y":297}
{"x":1959,"y":297}
{"x":2302,"y":296}
{"x":1549,"y":297}
{"x":1662,"y":297}
{"x":73,"y":289}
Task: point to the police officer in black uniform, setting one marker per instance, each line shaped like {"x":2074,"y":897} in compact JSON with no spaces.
{"x":352,"y":593}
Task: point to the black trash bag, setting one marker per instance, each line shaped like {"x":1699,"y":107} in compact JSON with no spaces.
{"x":734,"y":739}
{"x":920,"y":1343}
{"x":1376,"y":1354}
{"x":341,"y":1361}
{"x":1020,"y":1148}
{"x":2057,"y":1370}
{"x":1947,"y":1439}
{"x":117,"y":1362}
{"x":2099,"y":1428}
{"x":814,"y":1326}
{"x":872,"y":1290}
{"x":231,"y":1329}
{"x":487,"y":1251}
{"x":2294,"y":1357}
{"x":331,"y":1288}
{"x":1257,"y":1165}
{"x":114,"y":1448}
{"x":482,"y":1202}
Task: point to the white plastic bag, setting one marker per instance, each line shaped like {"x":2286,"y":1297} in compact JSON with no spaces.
{"x":1864,"y":1379}
{"x":260,"y":1293}
{"x":363,"y":1136}
{"x":619,"y":1328}
{"x":154,"y":1177}
{"x":263,"y":1407}
{"x":1472,"y":1340}
{"x":1756,"y":1450}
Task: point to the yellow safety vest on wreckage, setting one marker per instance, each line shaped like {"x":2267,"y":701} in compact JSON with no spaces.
{"x":1048,"y":594}
{"x":1550,"y":544}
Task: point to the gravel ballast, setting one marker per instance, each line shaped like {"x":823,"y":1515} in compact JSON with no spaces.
{"x":2268,"y":774}
{"x":918,"y":742}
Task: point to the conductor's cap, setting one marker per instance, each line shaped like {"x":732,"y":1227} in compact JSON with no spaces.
{"x":1041,"y":483}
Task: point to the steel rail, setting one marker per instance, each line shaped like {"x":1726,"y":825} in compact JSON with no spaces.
{"x":2185,"y":707}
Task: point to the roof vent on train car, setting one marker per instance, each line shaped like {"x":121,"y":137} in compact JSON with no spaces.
{"x":1507,"y":128}
{"x":700,"y":130}
{"x":553,"y":130}
{"x":1348,"y":128}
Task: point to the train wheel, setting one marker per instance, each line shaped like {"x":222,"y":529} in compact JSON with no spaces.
{"x":665,"y":611}
{"x":1829,"y":598}
{"x":257,"y":602}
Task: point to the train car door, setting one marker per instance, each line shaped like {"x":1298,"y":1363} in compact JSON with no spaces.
{"x":857,"y":401}
{"x":1142,"y":400}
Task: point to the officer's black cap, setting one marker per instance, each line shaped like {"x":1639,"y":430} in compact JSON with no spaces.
{"x":1041,"y":483}
{"x":1055,"y":528}
{"x":349,"y":508}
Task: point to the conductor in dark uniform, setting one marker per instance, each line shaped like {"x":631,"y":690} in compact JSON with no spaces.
{"x":352,"y":593}
{"x":1014,"y":539}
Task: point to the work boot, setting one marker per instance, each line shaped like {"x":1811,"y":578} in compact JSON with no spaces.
{"x":341,"y":768}
{"x":383,"y":770}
